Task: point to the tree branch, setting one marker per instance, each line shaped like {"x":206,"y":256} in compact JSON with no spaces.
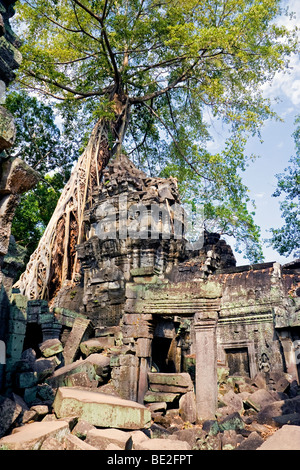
{"x":107,"y":43}
{"x":68,"y":89}
{"x":175,"y":142}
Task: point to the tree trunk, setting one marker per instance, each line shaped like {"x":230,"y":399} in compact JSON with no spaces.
{"x":55,"y":260}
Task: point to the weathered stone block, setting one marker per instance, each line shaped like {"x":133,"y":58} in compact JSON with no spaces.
{"x":168,"y":397}
{"x":233,"y":421}
{"x":96,"y":345}
{"x":74,"y":443}
{"x":140,"y":330}
{"x":187,"y":407}
{"x":233,"y":400}
{"x":45,"y":393}
{"x":9,"y":412}
{"x":259,"y":399}
{"x":17,"y":177}
{"x":125,"y":377}
{"x":81,"y":373}
{"x":211,"y":427}
{"x":143,"y":347}
{"x":205,"y":442}
{"x":45,"y":318}
{"x":26,"y":379}
{"x":231,"y":439}
{"x":31,"y":436}
{"x":30,"y":394}
{"x":81,"y":429}
{"x":41,"y":410}
{"x":106,"y":331}
{"x":286,"y":438}
{"x":50,"y":443}
{"x":14,"y":346}
{"x":163,"y":444}
{"x":278,"y":408}
{"x":179,"y":380}
{"x":81,"y":330}
{"x":128,"y":360}
{"x":17,"y":327}
{"x":44,"y":367}
{"x":51,"y":347}
{"x":7,"y":129}
{"x":291,"y":418}
{"x":65,"y":316}
{"x":159,"y":406}
{"x":101,"y":410}
{"x":101,"y":438}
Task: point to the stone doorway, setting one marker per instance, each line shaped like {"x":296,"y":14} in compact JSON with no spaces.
{"x":166,"y":348}
{"x":237,"y":360}
{"x":33,"y":337}
{"x":162,"y":357}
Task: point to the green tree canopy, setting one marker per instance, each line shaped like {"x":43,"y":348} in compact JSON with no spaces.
{"x":39,"y":141}
{"x":50,"y":151}
{"x":286,"y":240}
{"x":169,"y":61}
{"x":142,"y":74}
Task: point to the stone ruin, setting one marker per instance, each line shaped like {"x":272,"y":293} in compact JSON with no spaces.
{"x":16,"y":177}
{"x":156,"y":345}
{"x":191,"y":347}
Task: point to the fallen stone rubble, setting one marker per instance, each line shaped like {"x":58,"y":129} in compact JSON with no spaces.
{"x":253,"y":414}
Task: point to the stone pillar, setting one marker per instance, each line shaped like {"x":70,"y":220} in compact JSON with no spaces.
{"x":143,"y":351}
{"x":206,"y":367}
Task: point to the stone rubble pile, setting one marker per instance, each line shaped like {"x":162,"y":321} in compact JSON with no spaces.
{"x":77,"y":408}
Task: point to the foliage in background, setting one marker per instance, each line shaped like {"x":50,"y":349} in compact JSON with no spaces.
{"x":51,"y":152}
{"x":286,"y":240}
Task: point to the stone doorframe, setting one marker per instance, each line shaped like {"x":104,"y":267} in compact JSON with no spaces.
{"x":236,"y":345}
{"x":198,"y":299}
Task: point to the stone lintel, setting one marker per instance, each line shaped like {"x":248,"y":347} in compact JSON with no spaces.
{"x":205,"y":319}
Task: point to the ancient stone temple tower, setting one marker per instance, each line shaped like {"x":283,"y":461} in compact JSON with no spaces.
{"x":134,"y":229}
{"x":151,"y":315}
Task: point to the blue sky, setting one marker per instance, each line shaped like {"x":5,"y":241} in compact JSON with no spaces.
{"x":276,"y":149}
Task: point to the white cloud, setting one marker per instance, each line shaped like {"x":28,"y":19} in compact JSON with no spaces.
{"x":287,"y":84}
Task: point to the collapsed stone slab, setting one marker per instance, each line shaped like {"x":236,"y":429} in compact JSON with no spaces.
{"x":101,"y":438}
{"x":87,"y":372}
{"x":161,"y":382}
{"x":286,"y":438}
{"x":74,"y":443}
{"x":31,"y":436}
{"x":277,"y":409}
{"x":101,"y":410}
{"x":163,"y":444}
{"x":81,"y":330}
{"x":9,"y":412}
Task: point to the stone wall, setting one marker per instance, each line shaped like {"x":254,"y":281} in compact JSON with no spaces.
{"x":259,"y":307}
{"x":15,"y":176}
